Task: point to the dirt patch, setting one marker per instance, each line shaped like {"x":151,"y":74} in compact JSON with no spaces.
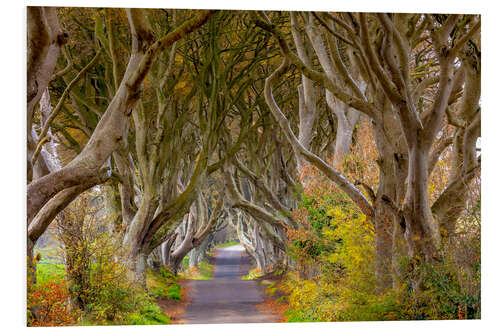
{"x":174,"y":309}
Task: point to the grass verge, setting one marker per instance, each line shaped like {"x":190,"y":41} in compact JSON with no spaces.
{"x":228,"y":244}
{"x":163,"y":284}
{"x":48,"y":272}
{"x":253,"y":274}
{"x":204,"y":271}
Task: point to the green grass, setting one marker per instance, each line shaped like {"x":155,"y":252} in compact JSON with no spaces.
{"x":50,"y":268}
{"x":298,"y":316}
{"x":174,"y":292}
{"x":151,"y":315}
{"x":221,"y":245}
{"x":163,"y":284}
{"x":206,"y":270}
{"x":148,"y":313}
{"x":159,"y":284}
{"x":185,"y":262}
{"x":271,"y":289}
{"x":48,"y":272}
{"x":50,"y":255}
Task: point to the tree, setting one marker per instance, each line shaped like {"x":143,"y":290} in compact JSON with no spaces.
{"x":419,"y":122}
{"x":55,"y":190}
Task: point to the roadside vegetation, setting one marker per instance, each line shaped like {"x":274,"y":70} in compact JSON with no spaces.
{"x":113,"y":303}
{"x":204,"y":270}
{"x":83,"y":283}
{"x":334,"y":278}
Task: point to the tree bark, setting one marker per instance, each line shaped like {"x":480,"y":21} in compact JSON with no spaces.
{"x":45,"y":39}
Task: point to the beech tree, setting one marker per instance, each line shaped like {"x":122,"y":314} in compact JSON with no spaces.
{"x":210,"y":123}
{"x":85,"y":168}
{"x":402,"y":94}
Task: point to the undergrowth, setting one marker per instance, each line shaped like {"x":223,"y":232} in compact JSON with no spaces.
{"x":334,"y":279}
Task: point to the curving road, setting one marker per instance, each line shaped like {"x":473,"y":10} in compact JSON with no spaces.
{"x":226,"y":298}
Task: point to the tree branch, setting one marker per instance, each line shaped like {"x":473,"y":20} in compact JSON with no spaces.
{"x":354,"y":193}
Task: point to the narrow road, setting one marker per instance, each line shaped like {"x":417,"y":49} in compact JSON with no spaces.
{"x":226,"y":298}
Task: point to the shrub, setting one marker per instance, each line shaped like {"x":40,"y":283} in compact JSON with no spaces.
{"x":48,"y":305}
{"x":335,"y":277}
{"x":99,"y":284}
{"x":150,"y":314}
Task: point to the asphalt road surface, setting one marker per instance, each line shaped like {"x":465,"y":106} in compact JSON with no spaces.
{"x":226,"y":298}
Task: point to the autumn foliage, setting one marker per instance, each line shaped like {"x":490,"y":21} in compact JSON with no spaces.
{"x":334,"y":277}
{"x":48,"y":305}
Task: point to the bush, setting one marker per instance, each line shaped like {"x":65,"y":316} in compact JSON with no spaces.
{"x":151,"y":314}
{"x":48,"y":305}
{"x":148,"y":313}
{"x":442,"y":296}
{"x":94,"y":285}
{"x":335,"y":275}
{"x":126,"y":307}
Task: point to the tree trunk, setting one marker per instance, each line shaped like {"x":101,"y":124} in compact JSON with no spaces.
{"x":77,"y":276}
{"x":139,"y":264}
{"x":198,"y":253}
{"x":45,"y":39}
{"x":31,"y":263}
{"x":384,"y":224}
{"x":112,"y":127}
{"x":421,"y":234}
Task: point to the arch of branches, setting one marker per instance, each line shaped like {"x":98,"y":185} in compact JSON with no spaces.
{"x":189,"y":121}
